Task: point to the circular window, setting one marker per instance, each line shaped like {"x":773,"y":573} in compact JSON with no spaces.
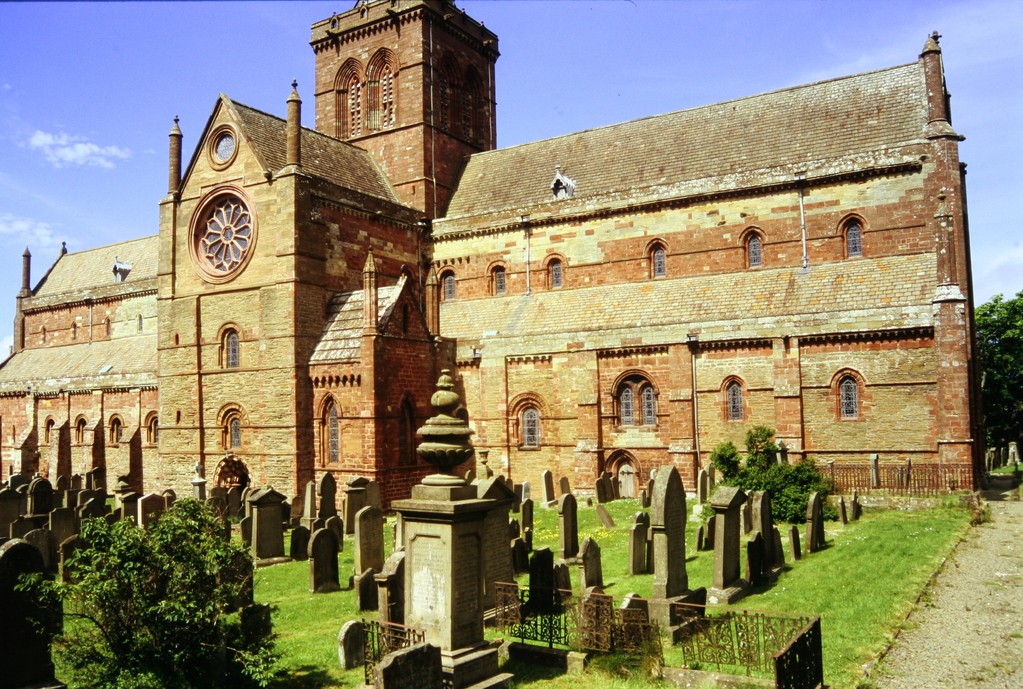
{"x":222,"y":147}
{"x":223,"y":233}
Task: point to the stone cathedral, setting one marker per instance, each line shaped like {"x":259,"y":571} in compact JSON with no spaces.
{"x":611,"y":300}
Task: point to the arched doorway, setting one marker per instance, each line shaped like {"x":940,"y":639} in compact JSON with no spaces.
{"x":623,"y":467}
{"x":231,"y":472}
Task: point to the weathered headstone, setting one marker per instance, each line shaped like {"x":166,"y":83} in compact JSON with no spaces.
{"x":65,"y":550}
{"x":27,"y":626}
{"x":747,"y":517}
{"x":63,"y":523}
{"x":606,"y":520}
{"x":702,"y":486}
{"x":568,"y":527}
{"x":638,"y":546}
{"x":709,"y":533}
{"x":351,"y":645}
{"x":549,"y":498}
{"x":40,"y":497}
{"x":150,"y":508}
{"x":497,"y":564}
{"x":857,"y":506}
{"x":727,"y":503}
{"x":391,"y":589}
{"x":337,"y":526}
{"x":416,"y":666}
{"x":234,"y":501}
{"x":43,"y":541}
{"x":520,"y":556}
{"x":323,"y":575}
{"x":541,"y":579}
{"x":267,"y":530}
{"x":526,"y":510}
{"x":245,"y":530}
{"x":366,"y":591}
{"x":369,"y":540}
{"x":794,"y":551}
{"x":591,"y":571}
{"x":326,"y":490}
{"x":763,"y":522}
{"x":10,"y":509}
{"x":562,"y":576}
{"x":299,"y":547}
{"x":668,"y":524}
{"x":564,"y":486}
{"x":353,"y":500}
{"x":601,"y":490}
{"x":814,"y":524}
{"x":373,"y":497}
{"x":309,"y":509}
{"x":842,"y":516}
{"x":756,"y":559}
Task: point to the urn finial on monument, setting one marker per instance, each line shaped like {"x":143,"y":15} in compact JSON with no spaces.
{"x":445,"y":436}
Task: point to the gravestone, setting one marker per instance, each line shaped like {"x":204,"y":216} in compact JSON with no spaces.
{"x":326,"y":490}
{"x":527,"y":491}
{"x":391,"y":589}
{"x":857,"y":506}
{"x":309,"y":509}
{"x":338,"y":527}
{"x":763,"y":523}
{"x":497,"y":564}
{"x":63,"y":523}
{"x":299,"y":547}
{"x":520,"y":556}
{"x":549,"y":499}
{"x":514,"y":530}
{"x":644,"y":499}
{"x":40,"y":497}
{"x":21,"y":526}
{"x":709,"y":533}
{"x":267,"y":530}
{"x":728,"y":587}
{"x":10,"y":509}
{"x":234,"y":501}
{"x":606,"y":520}
{"x":245,"y":530}
{"x":875,"y":474}
{"x":130,"y":506}
{"x":417,"y":666}
{"x":297,"y":503}
{"x":564,"y":486}
{"x":814,"y":524}
{"x":353,"y":500}
{"x":702,"y":486}
{"x":323,"y":576}
{"x":517,"y":488}
{"x":568,"y":527}
{"x":591,"y":571}
{"x":373,"y":497}
{"x":562,"y":576}
{"x":668,"y":526}
{"x":149,"y":507}
{"x":65,"y":550}
{"x":169,"y":498}
{"x":27,"y":626}
{"x":91,"y":508}
{"x":541,"y":579}
{"x":616,"y":487}
{"x":527,"y":536}
{"x":756,"y":560}
{"x":601,"y":490}
{"x":526,"y":514}
{"x":43,"y":541}
{"x":369,"y":540}
{"x":794,"y":551}
{"x":366,"y":591}
{"x":638,"y":546}
{"x":76,"y":482}
{"x":747,"y":517}
{"x":351,"y":645}
{"x":842,"y":516}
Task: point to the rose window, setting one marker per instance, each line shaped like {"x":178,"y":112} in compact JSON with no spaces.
{"x":225,"y":238}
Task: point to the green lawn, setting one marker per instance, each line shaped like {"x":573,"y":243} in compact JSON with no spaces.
{"x":862,"y":585}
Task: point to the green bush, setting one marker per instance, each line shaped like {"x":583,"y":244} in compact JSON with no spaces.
{"x":788,"y":485}
{"x":157,"y":608}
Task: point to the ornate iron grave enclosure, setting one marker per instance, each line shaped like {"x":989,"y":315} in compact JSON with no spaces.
{"x":381,"y":638}
{"x":787,"y":646}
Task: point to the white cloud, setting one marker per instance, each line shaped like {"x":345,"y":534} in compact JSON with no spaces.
{"x":5,"y":346}
{"x":62,"y":150}
{"x":26,"y":231}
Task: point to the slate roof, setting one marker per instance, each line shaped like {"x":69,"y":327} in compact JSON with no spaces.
{"x":78,"y":366}
{"x":92,"y":271}
{"x":891,"y":292}
{"x":322,"y":156}
{"x":342,"y":337}
{"x":845,"y":124}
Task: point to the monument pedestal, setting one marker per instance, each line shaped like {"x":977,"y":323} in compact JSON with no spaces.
{"x":728,"y":595}
{"x":444,"y":538}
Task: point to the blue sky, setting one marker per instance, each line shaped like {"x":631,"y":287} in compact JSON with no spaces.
{"x":88,"y":92}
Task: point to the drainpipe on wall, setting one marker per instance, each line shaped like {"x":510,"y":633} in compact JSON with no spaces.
{"x":801,"y":180}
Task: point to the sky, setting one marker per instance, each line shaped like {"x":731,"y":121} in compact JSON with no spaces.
{"x":88,"y":93}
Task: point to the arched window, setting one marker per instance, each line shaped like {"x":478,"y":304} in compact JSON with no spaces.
{"x":733,"y":400}
{"x":233,"y":434}
{"x":849,"y":398}
{"x":74,"y":331}
{"x":138,"y":326}
{"x":555,"y":273}
{"x":42,"y":334}
{"x":80,"y":431}
{"x":500,"y":280}
{"x":116,"y":430}
{"x":407,"y":434}
{"x":333,"y":435}
{"x":380,"y":91}
{"x":153,"y":430}
{"x":531,"y":427}
{"x":658,"y":261}
{"x":106,"y":327}
{"x":50,"y":435}
{"x":626,"y":407}
{"x":448,"y":282}
{"x":232,"y":349}
{"x":853,"y":238}
{"x":754,"y":251}
{"x":649,"y":405}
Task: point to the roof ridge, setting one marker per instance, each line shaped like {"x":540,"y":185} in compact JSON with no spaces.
{"x":113,"y":244}
{"x":646,"y":118}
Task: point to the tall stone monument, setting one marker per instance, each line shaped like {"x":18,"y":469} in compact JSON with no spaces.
{"x":445,"y":536}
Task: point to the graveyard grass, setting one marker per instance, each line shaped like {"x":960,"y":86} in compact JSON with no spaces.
{"x":862,"y":585}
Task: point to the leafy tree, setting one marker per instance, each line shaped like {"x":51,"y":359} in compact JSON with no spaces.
{"x":157,"y":608}
{"x":1000,"y":345}
{"x":788,"y":485}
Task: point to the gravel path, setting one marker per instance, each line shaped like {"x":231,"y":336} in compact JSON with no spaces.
{"x":968,"y":629}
